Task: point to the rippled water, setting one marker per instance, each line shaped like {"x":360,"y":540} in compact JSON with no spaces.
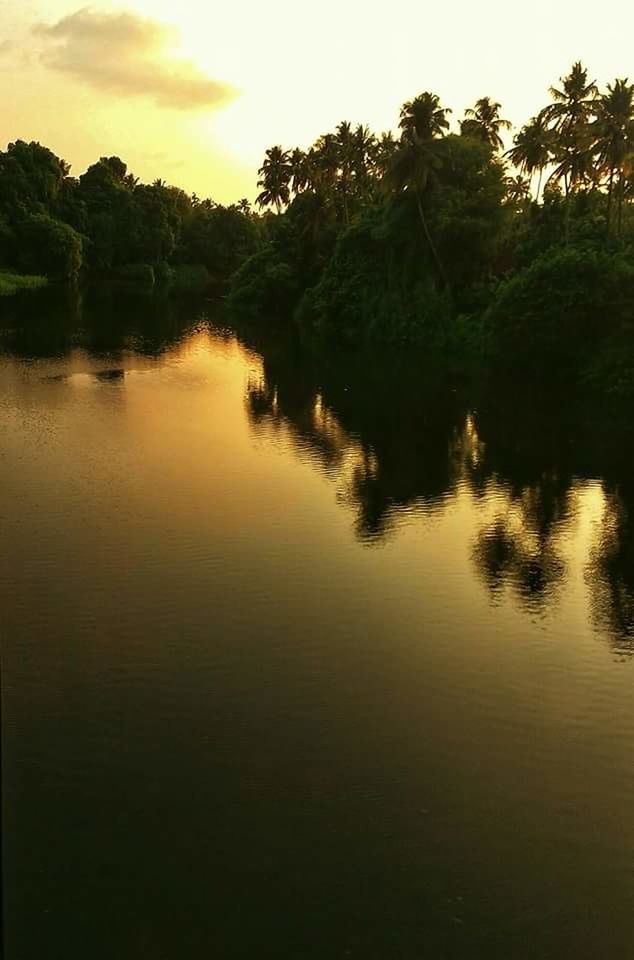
{"x":306,"y":655}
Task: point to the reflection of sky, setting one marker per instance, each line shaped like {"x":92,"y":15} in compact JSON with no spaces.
{"x":176,"y":576}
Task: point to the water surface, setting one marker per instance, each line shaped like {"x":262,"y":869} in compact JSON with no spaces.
{"x":306,"y":654}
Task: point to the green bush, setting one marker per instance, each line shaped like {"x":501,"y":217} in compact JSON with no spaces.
{"x":49,"y":247}
{"x":189,"y":278}
{"x":265,"y":285}
{"x":11,"y":283}
{"x":134,"y":277}
{"x":557,"y":312}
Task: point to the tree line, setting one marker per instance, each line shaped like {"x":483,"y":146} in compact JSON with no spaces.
{"x":451,"y":236}
{"x":427,"y":234}
{"x":107,"y":225}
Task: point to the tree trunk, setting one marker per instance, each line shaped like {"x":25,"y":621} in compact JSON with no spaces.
{"x":432,"y":246}
{"x":567,"y":211}
{"x":539,"y":182}
{"x":346,"y":216}
{"x":609,"y":210}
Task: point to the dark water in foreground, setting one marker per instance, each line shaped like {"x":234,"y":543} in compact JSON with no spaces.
{"x":306,"y":657}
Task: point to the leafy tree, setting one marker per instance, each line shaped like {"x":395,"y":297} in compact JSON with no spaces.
{"x":569,"y":116}
{"x":614,"y":140}
{"x":49,"y":247}
{"x":275,"y":176}
{"x":532,"y":148}
{"x":30,"y":175}
{"x":483,"y":122}
{"x":423,"y":121}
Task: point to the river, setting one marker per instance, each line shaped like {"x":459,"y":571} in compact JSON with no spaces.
{"x":306,"y":653}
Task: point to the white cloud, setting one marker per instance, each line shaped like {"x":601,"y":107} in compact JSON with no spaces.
{"x":125,"y":54}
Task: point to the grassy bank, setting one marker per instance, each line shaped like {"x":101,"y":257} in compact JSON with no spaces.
{"x":11,"y":283}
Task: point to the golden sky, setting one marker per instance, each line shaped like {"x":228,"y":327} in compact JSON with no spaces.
{"x":194,"y":91}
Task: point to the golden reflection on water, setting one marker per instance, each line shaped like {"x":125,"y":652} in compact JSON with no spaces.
{"x":257,"y":593}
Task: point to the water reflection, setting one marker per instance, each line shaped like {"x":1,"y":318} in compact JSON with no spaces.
{"x":406,"y":437}
{"x":611,"y":571}
{"x":52,"y":323}
{"x":401,"y":437}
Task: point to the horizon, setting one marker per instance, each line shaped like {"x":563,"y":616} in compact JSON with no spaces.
{"x":209,"y":111}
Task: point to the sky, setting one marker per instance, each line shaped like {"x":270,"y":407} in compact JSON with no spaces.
{"x":195,"y":91}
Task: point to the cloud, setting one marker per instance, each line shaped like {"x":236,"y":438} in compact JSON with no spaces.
{"x":126,"y":54}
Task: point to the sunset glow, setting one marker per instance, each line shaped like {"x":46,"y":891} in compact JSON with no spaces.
{"x":197,"y":92}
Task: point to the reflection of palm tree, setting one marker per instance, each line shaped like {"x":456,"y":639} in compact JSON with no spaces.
{"x":519,"y":548}
{"x":611,"y":573}
{"x":483,"y":122}
{"x":504,"y":556}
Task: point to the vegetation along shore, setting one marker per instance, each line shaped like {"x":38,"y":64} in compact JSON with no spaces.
{"x":435,"y":235}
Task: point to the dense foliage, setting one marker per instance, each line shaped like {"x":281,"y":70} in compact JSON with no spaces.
{"x":439,"y":237}
{"x":106,"y":224}
{"x":431,"y":236}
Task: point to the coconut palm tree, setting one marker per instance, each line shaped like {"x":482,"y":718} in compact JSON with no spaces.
{"x":324,"y":163}
{"x":569,"y":117}
{"x":384,"y":149}
{"x":275,"y":175}
{"x":614,"y":139}
{"x":483,"y":122}
{"x":423,"y":118}
{"x":416,"y":159}
{"x":346,"y":155}
{"x":531,"y":150}
{"x":518,"y":190}
{"x":364,"y":145}
{"x":300,"y":170}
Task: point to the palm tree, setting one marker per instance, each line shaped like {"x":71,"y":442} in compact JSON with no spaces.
{"x":483,"y":122}
{"x":364,"y":144}
{"x":300,"y":170}
{"x":518,"y":190}
{"x":346,"y":152}
{"x":324,"y":161}
{"x":423,"y":118}
{"x":614,"y":143}
{"x":423,"y":122}
{"x":569,"y":117}
{"x":531,"y":150}
{"x":383,"y":151}
{"x":275,"y":175}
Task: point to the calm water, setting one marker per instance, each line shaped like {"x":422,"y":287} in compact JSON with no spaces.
{"x":306,"y":656}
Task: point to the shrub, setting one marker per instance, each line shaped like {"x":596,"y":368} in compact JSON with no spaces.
{"x":189,"y":278}
{"x":134,"y":277}
{"x":49,"y":247}
{"x":11,"y":283}
{"x":554,"y":314}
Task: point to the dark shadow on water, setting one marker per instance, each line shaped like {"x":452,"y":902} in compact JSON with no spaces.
{"x":400,"y":433}
{"x":416,"y":432}
{"x":52,"y":323}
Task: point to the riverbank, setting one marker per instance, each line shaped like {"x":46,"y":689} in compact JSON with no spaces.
{"x":11,"y":283}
